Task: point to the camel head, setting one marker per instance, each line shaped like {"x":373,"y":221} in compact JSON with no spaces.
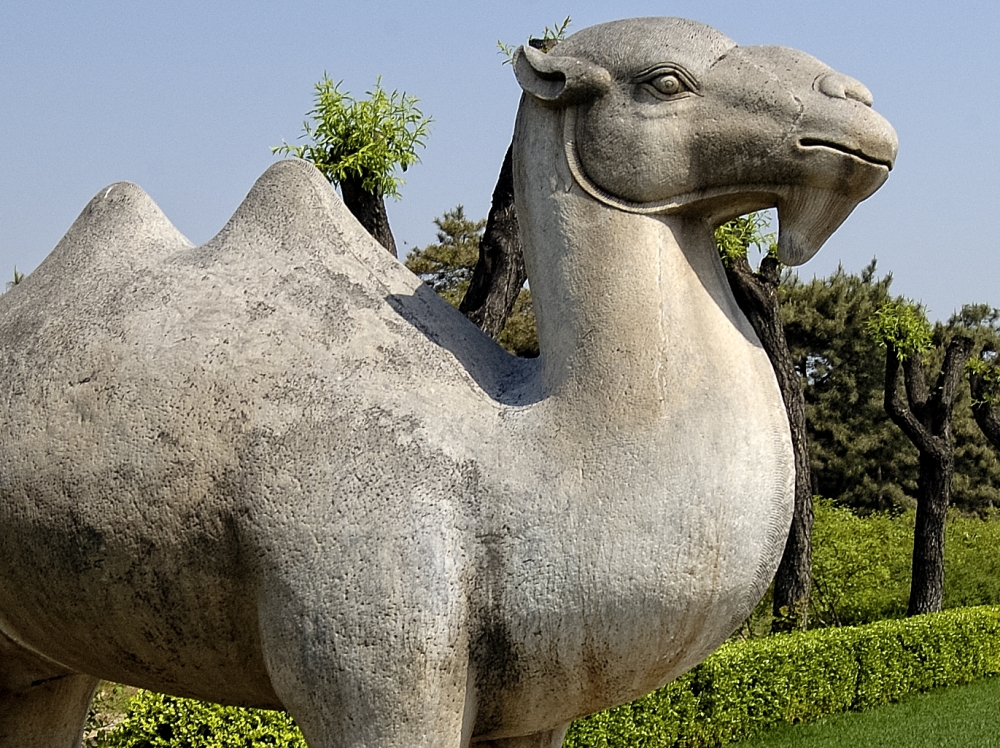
{"x":665,"y":115}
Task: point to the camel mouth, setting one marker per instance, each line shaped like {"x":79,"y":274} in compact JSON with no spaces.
{"x":816,"y":143}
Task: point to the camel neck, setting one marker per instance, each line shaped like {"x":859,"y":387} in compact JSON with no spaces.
{"x":629,"y":306}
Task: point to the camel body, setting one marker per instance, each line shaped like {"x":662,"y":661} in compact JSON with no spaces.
{"x":276,"y":470}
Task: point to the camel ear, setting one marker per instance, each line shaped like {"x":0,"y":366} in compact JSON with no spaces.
{"x":557,"y":80}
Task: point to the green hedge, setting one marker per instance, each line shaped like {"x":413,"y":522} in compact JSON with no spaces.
{"x":747,"y":687}
{"x":742,"y":689}
{"x":157,"y":721}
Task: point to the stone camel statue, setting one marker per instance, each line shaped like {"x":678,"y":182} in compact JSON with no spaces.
{"x":276,"y":470}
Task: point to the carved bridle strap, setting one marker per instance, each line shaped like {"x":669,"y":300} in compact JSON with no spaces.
{"x":670,"y":205}
{"x":576,"y":168}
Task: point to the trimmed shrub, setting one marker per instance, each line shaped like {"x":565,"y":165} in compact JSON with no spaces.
{"x":747,"y":687}
{"x":157,"y":721}
{"x":742,"y":689}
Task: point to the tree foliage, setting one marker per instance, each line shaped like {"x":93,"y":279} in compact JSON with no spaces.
{"x":925,"y":415}
{"x":367,"y":139}
{"x":857,"y":455}
{"x":736,"y":238}
{"x":902,"y":325}
{"x":359,"y":145}
{"x":448,"y":265}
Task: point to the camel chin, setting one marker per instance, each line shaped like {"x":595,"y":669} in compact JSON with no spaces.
{"x":277,"y":470}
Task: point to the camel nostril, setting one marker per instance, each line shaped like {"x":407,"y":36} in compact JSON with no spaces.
{"x":839,"y":86}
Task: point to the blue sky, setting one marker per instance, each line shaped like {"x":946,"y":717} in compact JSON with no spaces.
{"x":186,"y":98}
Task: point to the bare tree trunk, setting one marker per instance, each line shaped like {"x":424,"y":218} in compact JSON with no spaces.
{"x":757,"y":296}
{"x":499,"y":273}
{"x":933,"y":498}
{"x":925,"y":418}
{"x":369,"y":209}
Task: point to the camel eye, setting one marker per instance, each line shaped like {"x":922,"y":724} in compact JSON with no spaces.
{"x":667,"y":81}
{"x":668,"y":84}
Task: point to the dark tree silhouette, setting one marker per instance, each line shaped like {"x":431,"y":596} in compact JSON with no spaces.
{"x":925,"y":416}
{"x":499,"y":273}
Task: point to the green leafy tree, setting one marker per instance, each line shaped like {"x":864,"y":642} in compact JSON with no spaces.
{"x":925,"y":416}
{"x":757,"y":294}
{"x":857,"y":455}
{"x":360,"y":145}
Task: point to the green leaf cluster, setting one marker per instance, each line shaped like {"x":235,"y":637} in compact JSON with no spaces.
{"x":747,"y":687}
{"x":552,"y":35}
{"x":903,"y":325}
{"x":735,"y":238}
{"x":367,"y":139}
{"x":158,"y":721}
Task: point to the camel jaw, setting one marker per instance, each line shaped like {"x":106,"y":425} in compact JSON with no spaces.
{"x":845,"y":175}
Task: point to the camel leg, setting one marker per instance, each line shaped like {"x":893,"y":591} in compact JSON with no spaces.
{"x":41,"y":704}
{"x":548,"y":739}
{"x":358,"y":687}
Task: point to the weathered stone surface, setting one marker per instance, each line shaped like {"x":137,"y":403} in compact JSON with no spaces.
{"x":276,"y":470}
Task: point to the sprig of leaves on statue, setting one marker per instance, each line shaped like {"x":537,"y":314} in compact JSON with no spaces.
{"x":362,"y":138}
{"x":18,"y":277}
{"x":903,"y":325}
{"x":551,"y":35}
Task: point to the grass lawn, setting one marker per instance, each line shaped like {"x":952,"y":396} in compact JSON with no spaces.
{"x":961,"y":716}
